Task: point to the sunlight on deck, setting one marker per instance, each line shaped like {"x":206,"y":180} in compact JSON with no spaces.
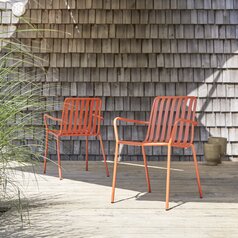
{"x":149,"y":166}
{"x":79,"y":205}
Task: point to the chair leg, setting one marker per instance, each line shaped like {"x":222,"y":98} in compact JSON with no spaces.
{"x":46,"y":150}
{"x":86,"y":153}
{"x":197,"y":171}
{"x":146,"y":169}
{"x":103,"y":153}
{"x":114,"y":172}
{"x":168,"y":178}
{"x":58,"y":154}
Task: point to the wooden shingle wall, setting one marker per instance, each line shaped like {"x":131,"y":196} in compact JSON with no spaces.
{"x":128,"y":52}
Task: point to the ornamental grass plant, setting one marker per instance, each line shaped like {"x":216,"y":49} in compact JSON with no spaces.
{"x":21,"y":108}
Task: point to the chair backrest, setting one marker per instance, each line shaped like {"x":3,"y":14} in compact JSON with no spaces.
{"x":165,"y":111}
{"x":81,"y":116}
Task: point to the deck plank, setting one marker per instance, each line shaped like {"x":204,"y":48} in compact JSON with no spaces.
{"x":79,"y":205}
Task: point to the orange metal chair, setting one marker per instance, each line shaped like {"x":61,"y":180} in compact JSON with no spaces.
{"x":80,"y":117}
{"x":171,"y":124}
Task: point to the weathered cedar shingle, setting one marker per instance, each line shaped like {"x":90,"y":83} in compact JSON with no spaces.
{"x":127,"y":52}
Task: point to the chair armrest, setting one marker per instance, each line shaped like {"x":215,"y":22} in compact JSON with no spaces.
{"x":47,"y":117}
{"x":126,"y":120}
{"x":129,"y":120}
{"x":181,"y":120}
{"x":194,"y":123}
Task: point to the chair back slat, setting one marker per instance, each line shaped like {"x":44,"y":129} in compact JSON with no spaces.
{"x":158,"y":118}
{"x":165,"y":112}
{"x":97,"y":112}
{"x":85,"y":119}
{"x":177,"y":114}
{"x":80,"y":119}
{"x":170,"y":120}
{"x":183,"y":116}
{"x":165,"y":119}
{"x":150,"y":133}
{"x":188,"y":126}
{"x":90,"y":115}
{"x":71,"y":112}
{"x":81,"y":116}
{"x":76,"y":115}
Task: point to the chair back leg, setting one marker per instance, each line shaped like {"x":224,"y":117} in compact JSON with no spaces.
{"x":168,"y":178}
{"x":104,"y":156}
{"x":114,"y":172}
{"x":146,"y":169}
{"x":197,"y":171}
{"x":58,"y":155}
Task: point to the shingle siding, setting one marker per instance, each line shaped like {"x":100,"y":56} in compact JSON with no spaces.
{"x":128,"y":52}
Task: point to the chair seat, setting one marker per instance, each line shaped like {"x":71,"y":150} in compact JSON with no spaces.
{"x":140,"y":143}
{"x":147,"y":143}
{"x":81,"y":133}
{"x":126,"y":142}
{"x":181,"y":145}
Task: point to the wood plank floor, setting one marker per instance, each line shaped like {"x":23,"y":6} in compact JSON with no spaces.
{"x":79,"y":205}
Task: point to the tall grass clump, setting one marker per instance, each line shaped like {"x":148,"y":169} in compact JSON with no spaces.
{"x":21,"y":108}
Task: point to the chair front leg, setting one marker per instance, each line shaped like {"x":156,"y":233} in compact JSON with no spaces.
{"x":46,"y":149}
{"x":114,"y":172}
{"x":197,"y":171}
{"x":58,"y":154}
{"x":146,"y":169}
{"x":168,"y":178}
{"x":103,"y":153}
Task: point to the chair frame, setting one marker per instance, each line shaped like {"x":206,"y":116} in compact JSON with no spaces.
{"x":62,"y":133}
{"x":169,"y":145}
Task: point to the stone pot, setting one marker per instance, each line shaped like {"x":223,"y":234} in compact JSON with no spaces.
{"x":221,"y":141}
{"x":212,"y":153}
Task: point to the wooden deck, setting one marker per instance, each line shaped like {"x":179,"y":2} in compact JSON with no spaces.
{"x":79,"y":205}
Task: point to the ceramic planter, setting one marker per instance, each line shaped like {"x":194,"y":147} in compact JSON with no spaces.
{"x":222,"y":141}
{"x":212,"y":153}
